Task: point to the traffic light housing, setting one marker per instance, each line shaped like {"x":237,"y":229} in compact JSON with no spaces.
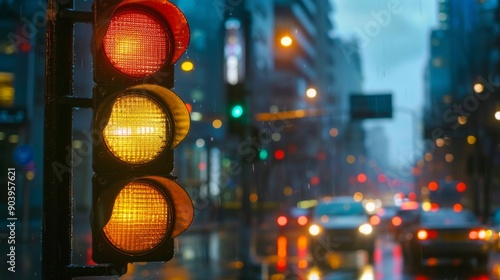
{"x":236,"y":110}
{"x":138,"y":208}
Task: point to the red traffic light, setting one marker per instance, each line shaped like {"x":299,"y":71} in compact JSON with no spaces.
{"x":137,"y":39}
{"x":137,"y":43}
{"x":279,"y":154}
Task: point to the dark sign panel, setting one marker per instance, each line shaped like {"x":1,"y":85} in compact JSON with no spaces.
{"x":370,"y":106}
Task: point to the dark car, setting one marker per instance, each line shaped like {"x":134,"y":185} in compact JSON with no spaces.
{"x":445,"y":234}
{"x":293,"y":219}
{"x":382,"y":219}
{"x":340,"y":224}
{"x":406,"y":215}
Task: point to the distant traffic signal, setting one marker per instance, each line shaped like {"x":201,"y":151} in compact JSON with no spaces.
{"x":138,"y":208}
{"x":237,"y":114}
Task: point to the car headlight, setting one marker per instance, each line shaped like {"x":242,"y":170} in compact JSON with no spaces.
{"x":315,"y":230}
{"x":365,"y":229}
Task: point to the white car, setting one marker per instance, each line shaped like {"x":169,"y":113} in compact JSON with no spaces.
{"x":340,"y":224}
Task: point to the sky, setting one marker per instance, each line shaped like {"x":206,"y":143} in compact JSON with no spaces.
{"x":393,"y":38}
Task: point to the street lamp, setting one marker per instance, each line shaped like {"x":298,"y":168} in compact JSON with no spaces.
{"x":311,"y":92}
{"x":497,"y":115}
{"x":286,"y":41}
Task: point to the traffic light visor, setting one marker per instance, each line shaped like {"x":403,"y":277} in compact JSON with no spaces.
{"x":137,"y":43}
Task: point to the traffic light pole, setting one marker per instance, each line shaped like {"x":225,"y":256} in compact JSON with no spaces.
{"x":56,"y":241}
{"x":57,"y":224}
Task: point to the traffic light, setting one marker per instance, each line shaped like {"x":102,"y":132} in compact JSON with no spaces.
{"x":138,"y":208}
{"x":236,"y":110}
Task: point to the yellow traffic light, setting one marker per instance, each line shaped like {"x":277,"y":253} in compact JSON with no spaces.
{"x":137,"y":129}
{"x":139,"y":219}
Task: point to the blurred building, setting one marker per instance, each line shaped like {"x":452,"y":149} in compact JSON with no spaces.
{"x":346,"y":138}
{"x":458,"y":105}
{"x":22,"y":52}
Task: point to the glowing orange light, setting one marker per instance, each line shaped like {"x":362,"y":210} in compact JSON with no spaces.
{"x":282,"y":220}
{"x":477,"y":234}
{"x":396,"y":221}
{"x":286,"y":41}
{"x":282,"y":243}
{"x":409,"y":205}
{"x":302,"y":264}
{"x":374,"y":220}
{"x":457,"y":207}
{"x":139,"y":220}
{"x":422,"y":234}
{"x":302,"y":220}
{"x":432,"y":186}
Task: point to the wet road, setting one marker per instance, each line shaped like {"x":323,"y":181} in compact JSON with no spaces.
{"x":216,"y":253}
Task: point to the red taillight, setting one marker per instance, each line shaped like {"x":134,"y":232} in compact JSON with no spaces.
{"x":302,"y":220}
{"x":396,"y":221}
{"x":374,"y":220}
{"x":457,"y":207}
{"x":461,"y":187}
{"x":477,"y":234}
{"x":137,"y":43}
{"x":282,"y":221}
{"x":434,"y":207}
{"x":425,"y":234}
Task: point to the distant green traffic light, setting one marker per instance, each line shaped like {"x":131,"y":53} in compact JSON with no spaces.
{"x":263,"y":154}
{"x":237,"y":111}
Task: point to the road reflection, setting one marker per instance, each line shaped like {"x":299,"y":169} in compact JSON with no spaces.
{"x":293,"y":262}
{"x":213,"y":254}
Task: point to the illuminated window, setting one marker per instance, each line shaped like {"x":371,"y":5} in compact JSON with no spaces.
{"x":6,"y":89}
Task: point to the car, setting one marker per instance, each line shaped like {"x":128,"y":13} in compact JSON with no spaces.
{"x":406,"y":215}
{"x":445,"y":234}
{"x":292,"y":219}
{"x":382,"y":219}
{"x":340,"y":224}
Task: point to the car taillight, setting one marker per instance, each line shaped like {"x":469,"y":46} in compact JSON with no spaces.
{"x":282,"y":221}
{"x":477,"y":234}
{"x":396,"y":221}
{"x":374,"y":220}
{"x":302,"y":220}
{"x":425,"y":234}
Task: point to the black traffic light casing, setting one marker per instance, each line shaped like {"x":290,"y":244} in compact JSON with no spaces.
{"x":138,"y":208}
{"x":237,"y":110}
